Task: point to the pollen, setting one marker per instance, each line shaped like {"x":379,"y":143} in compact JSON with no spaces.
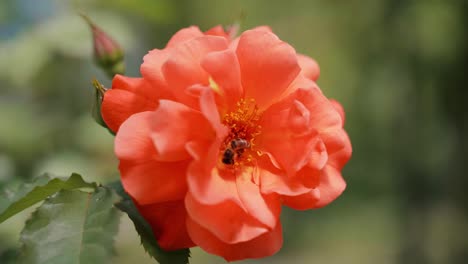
{"x":243,"y":124}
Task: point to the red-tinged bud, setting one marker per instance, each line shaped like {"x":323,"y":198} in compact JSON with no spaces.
{"x":107,"y":52}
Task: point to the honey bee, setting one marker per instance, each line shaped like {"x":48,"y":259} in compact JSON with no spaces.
{"x":235,"y":149}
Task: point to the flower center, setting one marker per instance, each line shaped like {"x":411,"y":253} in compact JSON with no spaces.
{"x":239,"y":145}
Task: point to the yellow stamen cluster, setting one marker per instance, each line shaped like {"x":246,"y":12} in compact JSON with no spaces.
{"x":243,"y":124}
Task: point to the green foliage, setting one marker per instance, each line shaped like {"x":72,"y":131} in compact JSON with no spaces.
{"x":9,"y":256}
{"x":15,"y":190}
{"x":71,"y":227}
{"x":146,"y":234}
{"x":40,"y":189}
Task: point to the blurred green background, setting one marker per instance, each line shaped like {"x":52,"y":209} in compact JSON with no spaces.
{"x":399,"y":67}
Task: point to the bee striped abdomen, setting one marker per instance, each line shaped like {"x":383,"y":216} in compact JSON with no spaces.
{"x":235,"y":150}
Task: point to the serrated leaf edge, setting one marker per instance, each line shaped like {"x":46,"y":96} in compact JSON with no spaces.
{"x":5,"y":215}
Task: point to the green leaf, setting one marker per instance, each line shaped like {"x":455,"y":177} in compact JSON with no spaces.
{"x":9,"y":256}
{"x":72,"y":227}
{"x":16,"y":189}
{"x":40,"y":189}
{"x":146,"y":234}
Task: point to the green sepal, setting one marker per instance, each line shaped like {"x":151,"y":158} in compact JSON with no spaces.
{"x":99,"y":92}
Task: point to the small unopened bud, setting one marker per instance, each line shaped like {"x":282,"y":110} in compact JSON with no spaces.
{"x":107,"y":52}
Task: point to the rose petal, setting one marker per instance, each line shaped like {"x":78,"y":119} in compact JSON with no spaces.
{"x":140,"y":167}
{"x":274,"y":180}
{"x":299,"y":149}
{"x":235,"y":42}
{"x":153,"y":181}
{"x":291,"y":126}
{"x":226,"y":220}
{"x":205,"y":181}
{"x":151,"y":70}
{"x":309,"y":175}
{"x":338,"y":147}
{"x":133,"y":140}
{"x":223,"y":67}
{"x":319,"y":157}
{"x":173,"y":127}
{"x":182,"y":69}
{"x":127,"y":97}
{"x":211,"y":186}
{"x":261,"y":246}
{"x":209,"y":109}
{"x":168,"y":221}
{"x":208,"y":182}
{"x":267,"y":66}
{"x":300,"y":82}
{"x":339,"y":108}
{"x":217,"y":31}
{"x":241,"y":211}
{"x":135,"y":85}
{"x":184,"y":35}
{"x":309,"y":67}
{"x":265,"y":208}
{"x":304,"y":201}
{"x":263,"y":28}
{"x":323,"y":115}
{"x":331,"y":186}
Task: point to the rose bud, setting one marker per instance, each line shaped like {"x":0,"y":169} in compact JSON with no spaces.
{"x":107,"y":52}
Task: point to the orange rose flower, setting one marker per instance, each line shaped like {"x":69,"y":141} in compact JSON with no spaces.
{"x":218,"y":134}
